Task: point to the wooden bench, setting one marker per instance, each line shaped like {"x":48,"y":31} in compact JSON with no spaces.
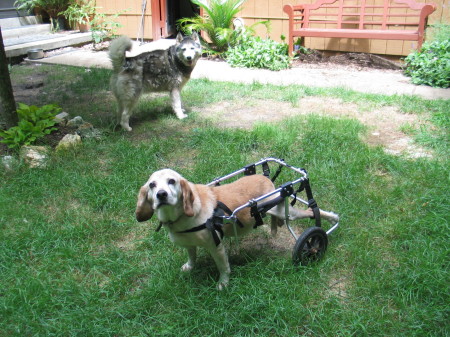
{"x":359,"y":19}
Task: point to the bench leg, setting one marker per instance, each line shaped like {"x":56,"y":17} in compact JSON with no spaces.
{"x":291,"y":46}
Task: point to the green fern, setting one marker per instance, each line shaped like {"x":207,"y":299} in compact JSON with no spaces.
{"x":217,"y":23}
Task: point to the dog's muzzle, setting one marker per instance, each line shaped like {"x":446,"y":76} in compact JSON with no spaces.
{"x":161,"y":195}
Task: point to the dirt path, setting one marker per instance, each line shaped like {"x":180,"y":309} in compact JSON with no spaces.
{"x":384,"y":123}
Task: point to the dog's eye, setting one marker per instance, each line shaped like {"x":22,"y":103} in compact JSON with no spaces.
{"x":152,"y":185}
{"x":171,"y":181}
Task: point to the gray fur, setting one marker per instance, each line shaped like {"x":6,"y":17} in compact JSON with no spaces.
{"x":158,"y":70}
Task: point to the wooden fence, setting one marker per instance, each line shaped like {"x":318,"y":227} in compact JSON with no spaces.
{"x":259,"y":10}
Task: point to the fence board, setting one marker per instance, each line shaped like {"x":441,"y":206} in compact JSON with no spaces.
{"x":256,"y":10}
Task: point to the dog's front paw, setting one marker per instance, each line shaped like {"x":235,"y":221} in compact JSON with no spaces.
{"x":181,"y":115}
{"x":126,"y":127}
{"x":222,"y":285}
{"x":223,"y":282}
{"x":187,"y":267}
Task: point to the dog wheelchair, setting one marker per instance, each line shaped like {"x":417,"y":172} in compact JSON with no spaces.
{"x":311,"y":245}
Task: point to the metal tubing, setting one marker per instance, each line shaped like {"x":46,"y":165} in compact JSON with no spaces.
{"x":262,"y":161}
{"x":331,"y":230}
{"x":287,"y":217}
{"x":252,"y":202}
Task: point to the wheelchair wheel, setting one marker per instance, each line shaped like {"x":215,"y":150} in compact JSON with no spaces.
{"x":310,"y":246}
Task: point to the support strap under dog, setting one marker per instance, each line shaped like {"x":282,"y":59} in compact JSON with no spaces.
{"x":215,"y":223}
{"x":212,"y":226}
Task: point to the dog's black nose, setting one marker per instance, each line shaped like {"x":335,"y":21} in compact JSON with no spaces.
{"x":161,"y":195}
{"x":189,"y":58}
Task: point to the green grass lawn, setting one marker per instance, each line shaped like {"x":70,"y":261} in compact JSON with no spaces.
{"x":74,"y":261}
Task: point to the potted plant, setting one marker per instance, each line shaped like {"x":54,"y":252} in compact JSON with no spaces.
{"x":52,"y":8}
{"x":80,"y":13}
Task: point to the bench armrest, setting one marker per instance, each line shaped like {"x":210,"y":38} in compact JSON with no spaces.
{"x":289,"y":9}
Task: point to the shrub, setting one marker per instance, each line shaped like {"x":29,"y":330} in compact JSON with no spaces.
{"x":217,"y":23}
{"x":34,"y":123}
{"x":431,"y":65}
{"x":255,"y":52}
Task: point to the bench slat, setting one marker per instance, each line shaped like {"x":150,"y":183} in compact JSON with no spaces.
{"x":359,"y":33}
{"x":374,"y":23}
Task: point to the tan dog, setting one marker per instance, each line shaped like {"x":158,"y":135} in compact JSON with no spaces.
{"x":182,"y":206}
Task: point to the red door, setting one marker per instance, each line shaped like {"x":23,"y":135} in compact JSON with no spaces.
{"x":159,"y":19}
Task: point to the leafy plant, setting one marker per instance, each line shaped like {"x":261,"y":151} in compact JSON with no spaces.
{"x":104,"y":26}
{"x":34,"y":123}
{"x":80,"y":12}
{"x":431,"y":65}
{"x":255,"y":52}
{"x":52,"y":7}
{"x":217,"y":23}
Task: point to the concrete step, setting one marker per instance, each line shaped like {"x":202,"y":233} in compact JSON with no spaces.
{"x":19,"y":22}
{"x":20,"y":47}
{"x":18,"y":32}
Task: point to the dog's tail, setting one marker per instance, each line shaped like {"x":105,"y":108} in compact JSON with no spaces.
{"x":117,"y":51}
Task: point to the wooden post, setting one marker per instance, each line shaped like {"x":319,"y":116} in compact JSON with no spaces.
{"x":8,"y":113}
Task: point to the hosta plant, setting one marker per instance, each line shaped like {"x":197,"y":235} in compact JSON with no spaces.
{"x":34,"y":123}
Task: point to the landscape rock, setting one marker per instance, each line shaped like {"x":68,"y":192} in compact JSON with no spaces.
{"x":9,"y":162}
{"x":62,"y":118}
{"x":68,"y":141}
{"x":75,"y":122}
{"x":87,"y":130}
{"x":35,"y":156}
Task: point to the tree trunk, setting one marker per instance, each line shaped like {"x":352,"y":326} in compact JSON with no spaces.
{"x":8,"y":114}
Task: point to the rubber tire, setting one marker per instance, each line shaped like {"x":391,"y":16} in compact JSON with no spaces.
{"x":310,"y":246}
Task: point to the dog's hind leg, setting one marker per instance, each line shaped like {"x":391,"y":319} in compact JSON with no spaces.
{"x":296,"y":214}
{"x":192,"y":253}
{"x":125,"y":119}
{"x":125,"y":111}
{"x":175,"y":96}
{"x":274,"y":224}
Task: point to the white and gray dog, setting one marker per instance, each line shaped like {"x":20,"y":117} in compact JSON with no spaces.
{"x":158,"y":70}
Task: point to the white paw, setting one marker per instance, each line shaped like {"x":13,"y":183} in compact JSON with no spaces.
{"x":126,"y":127}
{"x":223,"y":282}
{"x":186,"y":267}
{"x":222,"y":285}
{"x":334,"y":218}
{"x":181,"y":115}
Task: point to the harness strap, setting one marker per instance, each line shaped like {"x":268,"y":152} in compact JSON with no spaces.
{"x":316,"y":211}
{"x":215,"y":223}
{"x":212,"y":227}
{"x":277,"y":173}
{"x":257,"y":215}
{"x":227,"y":210}
{"x":266,"y":169}
{"x":311,"y":202}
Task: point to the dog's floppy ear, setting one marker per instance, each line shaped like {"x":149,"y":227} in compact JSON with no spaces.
{"x":188,"y":198}
{"x":144,"y":209}
{"x":179,"y":38}
{"x":195,"y":37}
